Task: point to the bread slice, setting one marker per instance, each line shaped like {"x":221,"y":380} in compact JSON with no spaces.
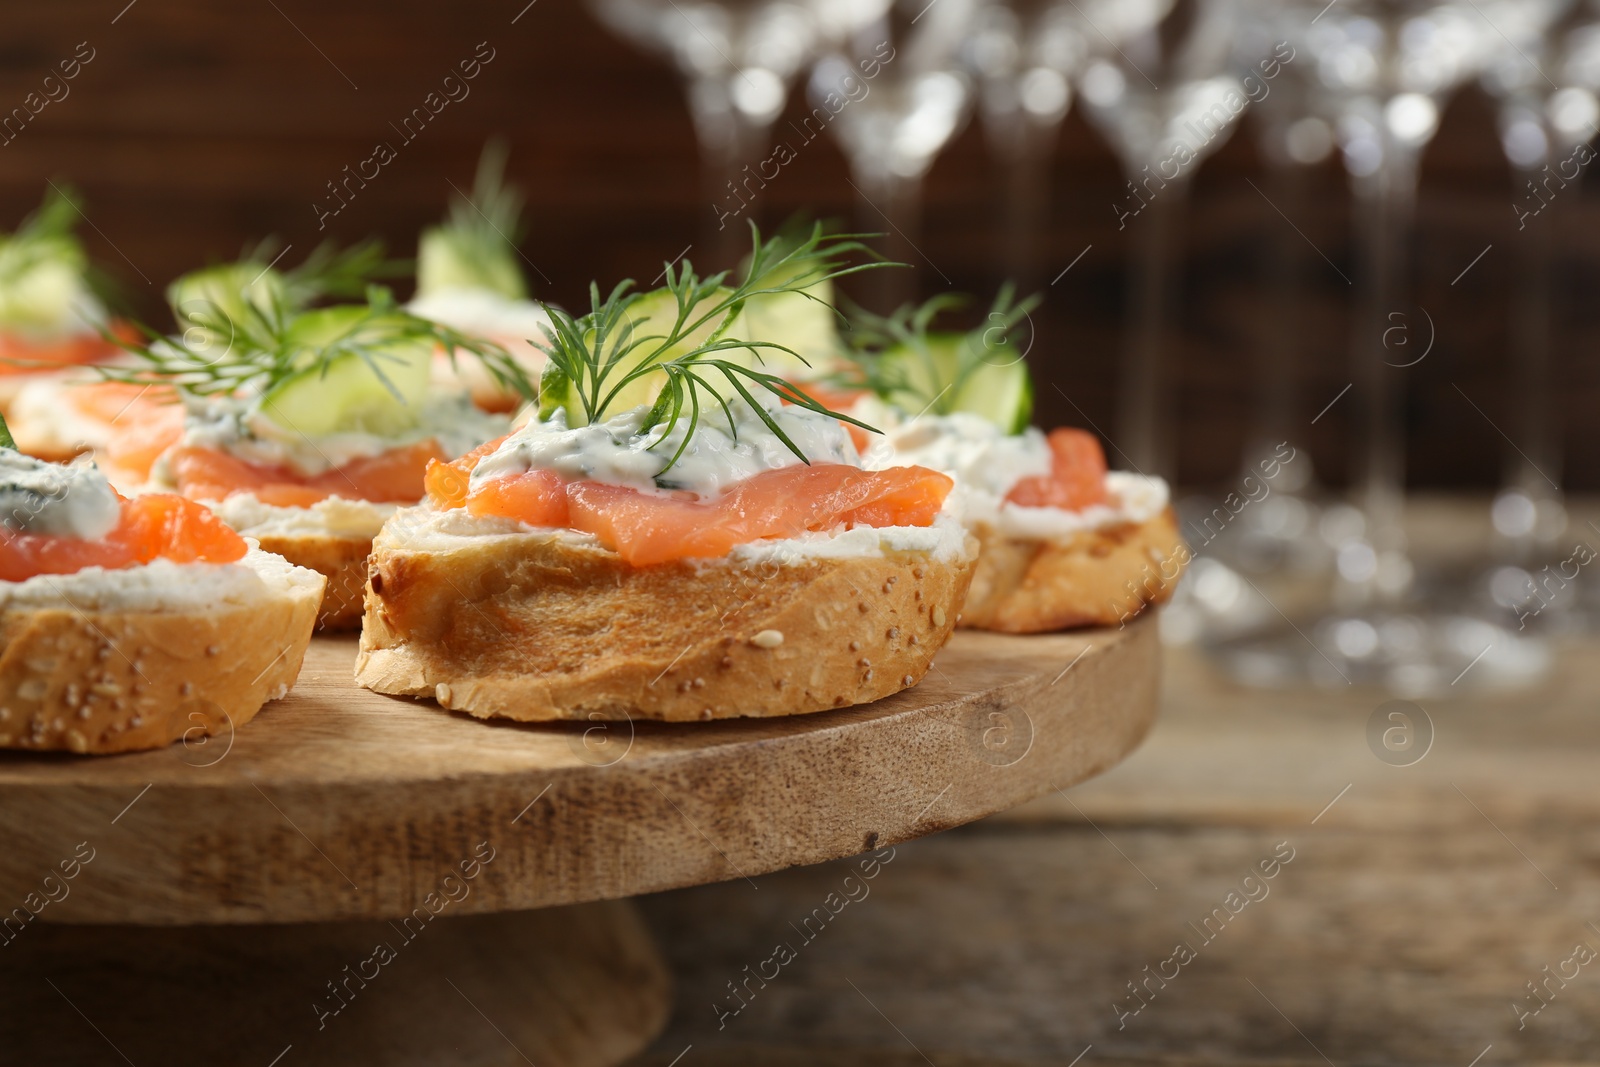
{"x":113,"y":661}
{"x":333,"y":538}
{"x":1100,"y":576}
{"x":495,"y":619}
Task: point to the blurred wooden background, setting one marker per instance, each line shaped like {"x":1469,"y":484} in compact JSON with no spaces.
{"x":198,"y":128}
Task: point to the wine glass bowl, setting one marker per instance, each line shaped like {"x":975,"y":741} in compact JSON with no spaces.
{"x":894,"y":93}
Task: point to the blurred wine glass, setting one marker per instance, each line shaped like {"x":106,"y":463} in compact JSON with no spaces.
{"x":1025,"y":55}
{"x":1384,"y":68}
{"x":1160,"y":93}
{"x":1544,"y":77}
{"x":894,"y":93}
{"x":738,"y":58}
{"x":1275,"y":541}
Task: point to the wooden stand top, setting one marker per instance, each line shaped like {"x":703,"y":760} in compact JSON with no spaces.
{"x":337,"y":803}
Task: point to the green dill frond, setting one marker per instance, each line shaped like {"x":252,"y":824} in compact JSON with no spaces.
{"x":476,"y":247}
{"x":254,"y":279}
{"x":45,"y":236}
{"x":684,"y":349}
{"x":341,"y":274}
{"x":903,"y":359}
{"x":263,"y":343}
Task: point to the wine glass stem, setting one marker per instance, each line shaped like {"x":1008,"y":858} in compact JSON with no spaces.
{"x":1144,"y":429}
{"x":1026,"y":157}
{"x":1534,"y":466}
{"x":891,"y":205}
{"x":1279,"y":358}
{"x":1391,"y":333}
{"x":732,"y":146}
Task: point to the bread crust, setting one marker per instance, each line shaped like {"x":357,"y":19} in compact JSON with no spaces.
{"x":341,"y":560}
{"x":1099,"y":577}
{"x":538,"y":626}
{"x":104,"y":681}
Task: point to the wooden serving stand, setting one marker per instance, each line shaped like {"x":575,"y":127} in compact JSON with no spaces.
{"x":353,"y":879}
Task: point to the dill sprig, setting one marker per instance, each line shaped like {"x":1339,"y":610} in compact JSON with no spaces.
{"x":269,"y":341}
{"x":476,"y":247}
{"x":911,"y":329}
{"x":595,"y":357}
{"x":44,"y":236}
{"x":327,"y":272}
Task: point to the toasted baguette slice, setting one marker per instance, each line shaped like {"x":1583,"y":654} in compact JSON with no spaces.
{"x":494,"y":619}
{"x":112,"y":661}
{"x":333,"y":538}
{"x":1096,"y":577}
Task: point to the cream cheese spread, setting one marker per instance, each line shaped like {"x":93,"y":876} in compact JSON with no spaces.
{"x":63,"y":500}
{"x":334,"y":517}
{"x":720,"y":454}
{"x":235,"y":426}
{"x":987,"y":464}
{"x":160,"y":585}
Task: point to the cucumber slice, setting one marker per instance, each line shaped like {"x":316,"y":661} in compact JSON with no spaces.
{"x":996,"y":387}
{"x":45,"y":284}
{"x":228,"y":290}
{"x":797,"y":322}
{"x":379,"y":391}
{"x":450,"y":259}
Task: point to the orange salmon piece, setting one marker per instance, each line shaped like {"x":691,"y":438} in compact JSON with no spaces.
{"x":19,"y":355}
{"x":156,"y":525}
{"x":1077,"y":477}
{"x":646,"y":528}
{"x":446,"y":483}
{"x":395,"y":476}
{"x":168,"y":526}
{"x":537,"y":498}
{"x":142,"y":433}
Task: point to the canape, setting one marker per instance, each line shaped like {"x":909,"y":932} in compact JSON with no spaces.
{"x":51,"y":318}
{"x":128,"y":623}
{"x":678,"y":534}
{"x":313,"y":427}
{"x":468,"y":278}
{"x":125,"y":424}
{"x":1065,"y":543}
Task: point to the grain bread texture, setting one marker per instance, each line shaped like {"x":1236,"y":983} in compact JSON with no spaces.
{"x":86,"y":674}
{"x":340,"y":560}
{"x":332,"y":537}
{"x":540,"y":625}
{"x":1096,"y":577}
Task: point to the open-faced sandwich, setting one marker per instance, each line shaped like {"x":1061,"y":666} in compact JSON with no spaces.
{"x":124,"y":424}
{"x":1064,"y":542}
{"x":312,"y":427}
{"x":468,"y":279}
{"x":128,"y":623}
{"x":678,"y":534}
{"x":51,"y":319}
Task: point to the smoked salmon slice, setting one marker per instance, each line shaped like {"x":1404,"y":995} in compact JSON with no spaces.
{"x":395,"y":476}
{"x":141,"y":432}
{"x":156,"y":525}
{"x":1077,"y":477}
{"x":20,"y":355}
{"x":646,"y":528}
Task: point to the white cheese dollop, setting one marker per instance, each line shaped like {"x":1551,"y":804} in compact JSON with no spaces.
{"x":718,"y":456}
{"x":334,"y":517}
{"x":987,"y":464}
{"x":232,"y":425}
{"x":160,"y":585}
{"x":63,"y":500}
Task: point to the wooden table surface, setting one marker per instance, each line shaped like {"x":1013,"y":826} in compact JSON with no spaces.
{"x":1418,"y":905}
